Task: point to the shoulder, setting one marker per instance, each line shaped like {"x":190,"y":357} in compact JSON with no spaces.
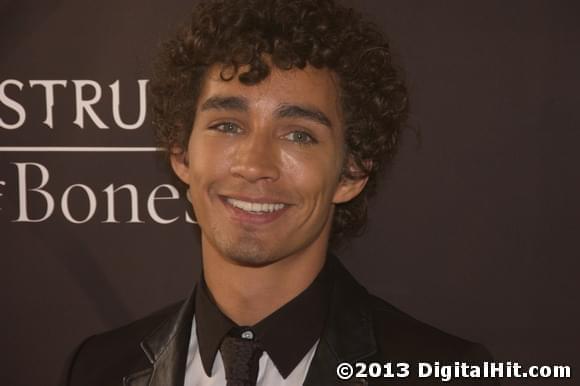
{"x":401,"y":336}
{"x":107,"y":357}
{"x":358,"y":316}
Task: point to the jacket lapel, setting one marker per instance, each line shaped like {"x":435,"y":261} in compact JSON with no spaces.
{"x":348,"y":335}
{"x":166,"y":348}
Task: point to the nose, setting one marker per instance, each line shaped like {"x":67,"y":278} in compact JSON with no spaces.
{"x":256,"y":158}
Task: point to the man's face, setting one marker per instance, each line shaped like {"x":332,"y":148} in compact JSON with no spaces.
{"x":264,"y":163}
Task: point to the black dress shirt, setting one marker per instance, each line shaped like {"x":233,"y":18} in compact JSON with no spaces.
{"x":286,"y":335}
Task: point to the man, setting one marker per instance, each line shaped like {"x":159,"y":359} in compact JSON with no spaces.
{"x":278,"y":116}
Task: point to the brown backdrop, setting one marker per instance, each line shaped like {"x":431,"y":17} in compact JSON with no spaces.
{"x":475,"y":230}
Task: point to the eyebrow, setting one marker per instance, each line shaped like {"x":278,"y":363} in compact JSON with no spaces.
{"x":241,"y":104}
{"x":310,"y":113}
{"x":225,"y":103}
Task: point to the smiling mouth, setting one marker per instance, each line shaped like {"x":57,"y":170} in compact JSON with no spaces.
{"x":259,"y":208}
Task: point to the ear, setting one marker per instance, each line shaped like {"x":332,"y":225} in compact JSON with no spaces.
{"x":180,"y":163}
{"x":349,"y":188}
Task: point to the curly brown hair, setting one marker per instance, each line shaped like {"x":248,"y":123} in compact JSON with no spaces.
{"x":293,"y":33}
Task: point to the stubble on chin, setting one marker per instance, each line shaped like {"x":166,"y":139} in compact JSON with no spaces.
{"x":244,"y":249}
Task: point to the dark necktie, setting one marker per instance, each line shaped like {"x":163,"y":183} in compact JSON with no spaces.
{"x":240,"y":354}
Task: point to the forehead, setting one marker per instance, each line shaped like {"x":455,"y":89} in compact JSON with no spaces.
{"x":308,"y":87}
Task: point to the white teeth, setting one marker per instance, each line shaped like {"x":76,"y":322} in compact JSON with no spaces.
{"x":255,"y":207}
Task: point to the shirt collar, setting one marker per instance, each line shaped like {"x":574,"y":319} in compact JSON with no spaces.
{"x":286,"y":335}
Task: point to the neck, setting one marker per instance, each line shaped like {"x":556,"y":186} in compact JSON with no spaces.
{"x":248,"y":294}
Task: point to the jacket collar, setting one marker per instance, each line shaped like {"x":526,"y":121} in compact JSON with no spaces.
{"x":348,"y":336}
{"x":166,"y":348}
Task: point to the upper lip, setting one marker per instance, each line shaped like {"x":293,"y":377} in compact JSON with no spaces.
{"x":257,"y":200}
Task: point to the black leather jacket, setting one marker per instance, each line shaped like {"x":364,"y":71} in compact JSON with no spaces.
{"x":360,"y":328}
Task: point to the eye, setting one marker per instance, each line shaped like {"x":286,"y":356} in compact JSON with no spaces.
{"x":226,"y":127}
{"x":300,"y":137}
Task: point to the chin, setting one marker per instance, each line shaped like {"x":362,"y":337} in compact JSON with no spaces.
{"x":250,"y":257}
{"x":249,"y":252}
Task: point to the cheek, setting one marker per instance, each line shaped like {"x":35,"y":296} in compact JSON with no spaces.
{"x":205,"y":159}
{"x":313,"y":175}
